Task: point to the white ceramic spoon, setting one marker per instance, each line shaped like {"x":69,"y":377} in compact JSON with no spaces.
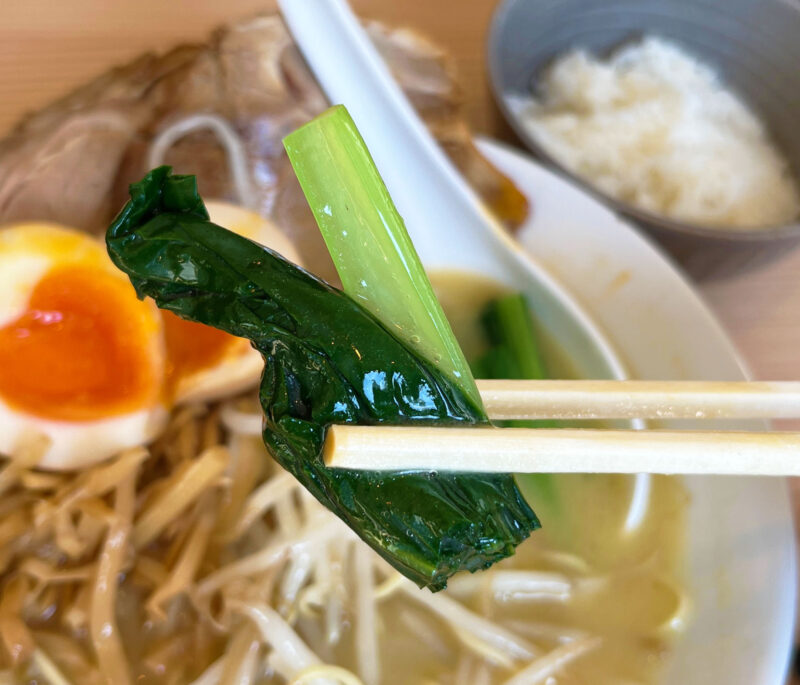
{"x":447,"y":222}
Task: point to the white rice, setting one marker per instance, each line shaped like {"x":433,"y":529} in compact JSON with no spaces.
{"x":654,"y":127}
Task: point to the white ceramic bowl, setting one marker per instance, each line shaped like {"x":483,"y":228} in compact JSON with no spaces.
{"x":740,"y":539}
{"x":740,"y":544}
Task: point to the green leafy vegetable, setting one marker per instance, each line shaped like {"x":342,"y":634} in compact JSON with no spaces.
{"x":368,"y":241}
{"x":513,"y":351}
{"x":328,"y":360}
{"x":514,"y":354}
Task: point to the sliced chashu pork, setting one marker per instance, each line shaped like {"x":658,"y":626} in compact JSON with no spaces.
{"x":71,"y":162}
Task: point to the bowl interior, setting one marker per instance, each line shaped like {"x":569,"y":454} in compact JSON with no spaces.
{"x":740,"y":540}
{"x":753,"y":44}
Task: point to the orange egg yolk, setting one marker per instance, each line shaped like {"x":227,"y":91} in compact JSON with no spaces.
{"x":82,"y":350}
{"x":191,"y":347}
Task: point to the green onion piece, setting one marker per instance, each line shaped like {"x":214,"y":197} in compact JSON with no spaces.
{"x":368,"y":241}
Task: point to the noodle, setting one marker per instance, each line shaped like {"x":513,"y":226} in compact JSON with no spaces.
{"x":640,"y":502}
{"x":67,"y":536}
{"x":240,"y":659}
{"x":200,"y":475}
{"x":187,"y":565}
{"x":366,"y":622}
{"x":464,"y":668}
{"x":482,"y":674}
{"x":483,"y":649}
{"x":76,"y":616}
{"x":37,"y":480}
{"x":71,"y":660}
{"x":566,"y":561}
{"x":517,"y":586}
{"x":457,"y":615}
{"x":293,"y":654}
{"x":297,"y":572}
{"x":263,"y":499}
{"x":330,"y":571}
{"x":48,"y":669}
{"x":102,"y":615}
{"x":335,"y":673}
{"x":104,"y":478}
{"x":388,"y":587}
{"x":234,"y":149}
{"x":16,"y":636}
{"x":266,"y":558}
{"x":149,"y":571}
{"x":47,"y":574}
{"x":287,"y":517}
{"x":246,"y":468}
{"x":212,"y":675}
{"x":25,"y":456}
{"x":243,"y":423}
{"x":545,"y":632}
{"x":240,"y":575}
{"x":164,"y":657}
{"x":542,"y":668}
{"x":423,"y":628}
{"x":94,"y":517}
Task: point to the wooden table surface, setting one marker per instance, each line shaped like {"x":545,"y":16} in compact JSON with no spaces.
{"x":47,"y":47}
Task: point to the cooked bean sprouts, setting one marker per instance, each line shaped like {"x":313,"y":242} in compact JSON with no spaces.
{"x":200,"y":544}
{"x":540,"y":669}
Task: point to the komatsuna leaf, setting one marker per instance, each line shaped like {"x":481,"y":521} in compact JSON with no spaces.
{"x":328,"y":361}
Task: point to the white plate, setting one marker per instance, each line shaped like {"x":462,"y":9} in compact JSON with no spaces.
{"x":741,"y":555}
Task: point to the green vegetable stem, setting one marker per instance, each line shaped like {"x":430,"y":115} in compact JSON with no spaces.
{"x":368,"y":241}
{"x":514,"y":354}
{"x":328,"y":359}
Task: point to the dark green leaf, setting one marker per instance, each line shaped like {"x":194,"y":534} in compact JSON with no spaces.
{"x":327,"y":361}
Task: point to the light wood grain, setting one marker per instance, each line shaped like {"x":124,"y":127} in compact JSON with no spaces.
{"x":47,"y":47}
{"x":561,"y":450}
{"x":513,"y":400}
{"x":761,"y":309}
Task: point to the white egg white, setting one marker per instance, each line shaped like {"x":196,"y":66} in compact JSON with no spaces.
{"x":78,"y":444}
{"x":28,"y":252}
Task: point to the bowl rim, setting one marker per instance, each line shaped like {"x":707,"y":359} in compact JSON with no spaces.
{"x":584,"y":277}
{"x":650,"y":220}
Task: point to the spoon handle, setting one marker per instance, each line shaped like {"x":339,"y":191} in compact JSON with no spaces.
{"x":430,"y":194}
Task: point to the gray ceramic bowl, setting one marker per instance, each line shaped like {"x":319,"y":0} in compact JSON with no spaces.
{"x":753,"y":44}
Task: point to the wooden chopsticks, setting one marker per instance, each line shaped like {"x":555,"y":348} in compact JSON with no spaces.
{"x":640,"y":399}
{"x":538,"y":450}
{"x":527,"y":450}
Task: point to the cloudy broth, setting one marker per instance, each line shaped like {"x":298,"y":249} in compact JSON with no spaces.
{"x":625,"y":583}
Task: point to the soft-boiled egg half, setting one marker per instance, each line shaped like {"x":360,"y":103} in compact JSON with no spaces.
{"x":87,"y":364}
{"x":81,"y":357}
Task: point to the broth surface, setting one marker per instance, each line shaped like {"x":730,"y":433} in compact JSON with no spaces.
{"x":629,"y":584}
